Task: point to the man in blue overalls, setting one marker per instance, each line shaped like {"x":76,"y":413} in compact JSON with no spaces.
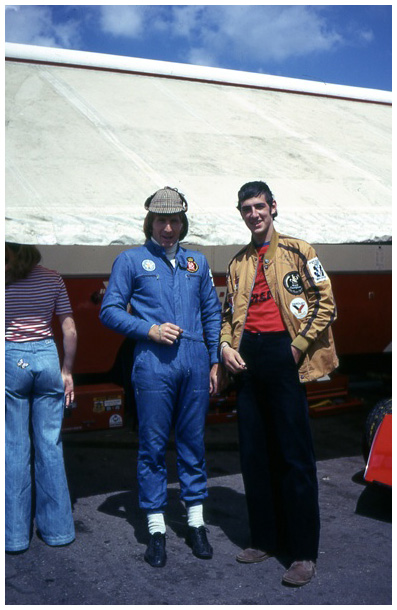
{"x":175,"y":319}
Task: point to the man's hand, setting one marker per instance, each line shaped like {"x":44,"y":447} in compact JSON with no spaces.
{"x":166,"y":333}
{"x":217,"y":379}
{"x":214,"y":374}
{"x":296,"y":353}
{"x":232,"y":360}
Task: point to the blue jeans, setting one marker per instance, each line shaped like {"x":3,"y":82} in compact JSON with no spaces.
{"x":34,"y":401}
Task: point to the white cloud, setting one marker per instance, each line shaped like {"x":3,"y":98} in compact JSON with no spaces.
{"x":202,"y":57}
{"x":366,"y":35}
{"x":122,"y":20}
{"x":34,"y":25}
{"x":217,"y":35}
{"x":260,"y":33}
{"x":187,"y":21}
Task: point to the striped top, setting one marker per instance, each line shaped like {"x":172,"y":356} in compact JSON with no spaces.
{"x":31,"y":303}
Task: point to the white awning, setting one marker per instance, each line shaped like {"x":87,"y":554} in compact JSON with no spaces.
{"x":89,"y":137}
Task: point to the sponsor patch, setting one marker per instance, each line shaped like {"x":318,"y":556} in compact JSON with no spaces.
{"x":192,"y":266}
{"x":148,"y":265}
{"x":115,"y":421}
{"x":293,"y":282}
{"x":98,"y":407}
{"x":299,"y":308}
{"x":317,"y":270}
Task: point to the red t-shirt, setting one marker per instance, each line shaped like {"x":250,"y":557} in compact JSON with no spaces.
{"x":263,"y":313}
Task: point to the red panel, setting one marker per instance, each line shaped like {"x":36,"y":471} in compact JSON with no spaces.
{"x":379,"y":466}
{"x":364,"y":303}
{"x":98,"y":407}
{"x":363,"y":325}
{"x":97,"y":345}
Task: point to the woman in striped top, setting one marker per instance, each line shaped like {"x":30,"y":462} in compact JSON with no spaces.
{"x":36,"y":390}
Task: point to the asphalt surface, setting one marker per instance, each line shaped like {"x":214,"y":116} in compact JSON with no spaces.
{"x":105,"y":564}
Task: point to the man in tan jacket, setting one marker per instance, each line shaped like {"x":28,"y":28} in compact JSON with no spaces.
{"x":276,"y":336}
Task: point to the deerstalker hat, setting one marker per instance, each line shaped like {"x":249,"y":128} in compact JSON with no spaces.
{"x":166,"y":201}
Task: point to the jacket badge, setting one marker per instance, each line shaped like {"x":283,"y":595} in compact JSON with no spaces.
{"x":299,"y":308}
{"x":148,"y":265}
{"x":317,"y":270}
{"x":293,"y":282}
{"x":192,"y":266}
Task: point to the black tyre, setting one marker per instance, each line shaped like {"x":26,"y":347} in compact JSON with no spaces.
{"x":373,"y":422}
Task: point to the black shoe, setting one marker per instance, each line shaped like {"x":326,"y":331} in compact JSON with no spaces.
{"x":197,"y":539}
{"x":155,"y":553}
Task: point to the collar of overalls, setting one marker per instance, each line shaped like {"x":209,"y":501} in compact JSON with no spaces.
{"x":158,"y":250}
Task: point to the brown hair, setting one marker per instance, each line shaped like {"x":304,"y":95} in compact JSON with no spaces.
{"x":20,"y":260}
{"x":150,"y":216}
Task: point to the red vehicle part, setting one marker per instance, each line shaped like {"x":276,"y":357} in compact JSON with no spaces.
{"x":379,"y":465}
{"x":364,"y":302}
{"x":97,"y":407}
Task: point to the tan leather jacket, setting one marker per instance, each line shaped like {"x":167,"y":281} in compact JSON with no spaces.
{"x":303,"y":293}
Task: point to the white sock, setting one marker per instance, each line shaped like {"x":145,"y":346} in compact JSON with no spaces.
{"x":195,"y":515}
{"x":156,"y":523}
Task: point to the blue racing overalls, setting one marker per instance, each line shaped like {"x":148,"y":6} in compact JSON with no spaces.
{"x":171,"y":382}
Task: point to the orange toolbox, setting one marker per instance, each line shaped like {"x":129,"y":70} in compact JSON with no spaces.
{"x":96,"y":407}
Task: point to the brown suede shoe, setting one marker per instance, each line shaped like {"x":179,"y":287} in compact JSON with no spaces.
{"x":299,"y":573}
{"x":252,"y":556}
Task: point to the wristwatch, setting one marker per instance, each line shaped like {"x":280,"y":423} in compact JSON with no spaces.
{"x":222,"y":347}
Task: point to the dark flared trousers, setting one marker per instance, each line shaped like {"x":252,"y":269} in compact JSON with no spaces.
{"x":277,"y":457}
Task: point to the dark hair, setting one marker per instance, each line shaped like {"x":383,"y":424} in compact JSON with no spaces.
{"x":255,"y":189}
{"x":150,"y":216}
{"x":20,"y":260}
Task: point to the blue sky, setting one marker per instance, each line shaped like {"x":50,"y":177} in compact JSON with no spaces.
{"x":342,"y":44}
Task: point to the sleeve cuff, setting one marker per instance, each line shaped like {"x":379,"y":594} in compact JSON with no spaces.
{"x":142,"y":330}
{"x":301,"y":343}
{"x":225,"y":339}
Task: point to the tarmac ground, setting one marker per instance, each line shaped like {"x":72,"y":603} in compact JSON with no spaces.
{"x":105,"y":564}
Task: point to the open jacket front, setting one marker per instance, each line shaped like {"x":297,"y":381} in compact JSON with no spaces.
{"x":302,"y":291}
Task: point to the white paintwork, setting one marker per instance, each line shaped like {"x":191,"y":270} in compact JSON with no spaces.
{"x":189,"y":71}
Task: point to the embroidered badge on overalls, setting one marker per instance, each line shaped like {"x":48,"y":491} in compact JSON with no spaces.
{"x":148,"y":265}
{"x":192,"y":266}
